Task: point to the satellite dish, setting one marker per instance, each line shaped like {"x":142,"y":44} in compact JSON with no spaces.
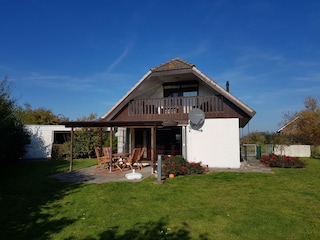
{"x":196,"y":118}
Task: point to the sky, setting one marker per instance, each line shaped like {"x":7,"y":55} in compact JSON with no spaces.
{"x":77,"y":57}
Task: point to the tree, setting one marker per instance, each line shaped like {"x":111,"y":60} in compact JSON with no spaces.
{"x":311,"y":104}
{"x":262,"y":138}
{"x":13,"y":136}
{"x":40,"y":116}
{"x":87,"y":139}
{"x":254,"y":138}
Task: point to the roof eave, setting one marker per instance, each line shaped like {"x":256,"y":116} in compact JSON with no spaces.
{"x":225,"y":93}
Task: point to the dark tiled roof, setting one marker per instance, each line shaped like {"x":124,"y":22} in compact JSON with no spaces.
{"x":174,"y":64}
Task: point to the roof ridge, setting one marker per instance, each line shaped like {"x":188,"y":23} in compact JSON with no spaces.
{"x":173,"y":64}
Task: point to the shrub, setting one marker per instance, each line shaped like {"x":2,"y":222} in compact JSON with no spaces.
{"x":273,"y":160}
{"x":315,"y":152}
{"x":179,"y":166}
{"x":60,"y":151}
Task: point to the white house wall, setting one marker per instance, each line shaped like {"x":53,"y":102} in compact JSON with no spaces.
{"x":41,"y":140}
{"x":204,"y":90}
{"x":216,"y":145}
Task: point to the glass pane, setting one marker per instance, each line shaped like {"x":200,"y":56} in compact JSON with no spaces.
{"x":190,"y":94}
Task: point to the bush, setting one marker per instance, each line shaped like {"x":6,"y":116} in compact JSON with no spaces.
{"x":315,"y":152}
{"x":179,"y":166}
{"x":273,"y":160}
{"x":60,"y":151}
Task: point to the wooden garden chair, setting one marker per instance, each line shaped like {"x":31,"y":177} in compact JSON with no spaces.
{"x":103,"y":160}
{"x":133,"y":157}
{"x":138,"y":160}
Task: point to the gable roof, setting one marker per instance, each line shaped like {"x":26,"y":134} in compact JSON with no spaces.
{"x":287,"y":125}
{"x":172,"y":67}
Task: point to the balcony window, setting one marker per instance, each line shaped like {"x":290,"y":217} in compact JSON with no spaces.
{"x":182,"y":89}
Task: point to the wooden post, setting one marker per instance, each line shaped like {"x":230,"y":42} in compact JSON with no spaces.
{"x":153,"y":146}
{"x":71,"y":150}
{"x":100,"y":139}
{"x":110,"y":138}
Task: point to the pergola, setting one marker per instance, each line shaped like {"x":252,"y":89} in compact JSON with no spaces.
{"x":153,"y":125}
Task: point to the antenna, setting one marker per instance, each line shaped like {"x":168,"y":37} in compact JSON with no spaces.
{"x":196,"y":118}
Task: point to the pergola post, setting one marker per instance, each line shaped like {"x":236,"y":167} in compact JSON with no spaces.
{"x":110,"y":137}
{"x":100,"y":138}
{"x":71,"y":150}
{"x":153,"y":146}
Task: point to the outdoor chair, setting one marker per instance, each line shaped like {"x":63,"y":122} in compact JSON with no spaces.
{"x":102,"y":160}
{"x":138,"y":160}
{"x":133,"y":157}
{"x":107,"y":152}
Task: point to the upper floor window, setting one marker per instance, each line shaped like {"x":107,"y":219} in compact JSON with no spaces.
{"x":181,"y":89}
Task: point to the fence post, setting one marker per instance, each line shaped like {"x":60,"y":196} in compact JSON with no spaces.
{"x":258,"y":151}
{"x":245,"y":153}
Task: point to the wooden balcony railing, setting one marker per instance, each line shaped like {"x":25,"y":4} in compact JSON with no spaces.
{"x":174,"y":108}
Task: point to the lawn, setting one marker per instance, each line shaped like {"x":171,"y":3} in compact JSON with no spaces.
{"x":230,"y":205}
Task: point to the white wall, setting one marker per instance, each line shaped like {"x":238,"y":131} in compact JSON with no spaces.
{"x":41,"y":140}
{"x":293,"y":150}
{"x":217,"y":145}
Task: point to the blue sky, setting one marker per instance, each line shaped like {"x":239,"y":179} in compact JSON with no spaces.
{"x":79,"y":57}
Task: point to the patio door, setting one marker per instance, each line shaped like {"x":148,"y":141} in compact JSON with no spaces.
{"x":142,"y":138}
{"x":169,"y":141}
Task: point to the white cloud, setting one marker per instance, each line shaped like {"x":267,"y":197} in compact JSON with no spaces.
{"x":118,"y":60}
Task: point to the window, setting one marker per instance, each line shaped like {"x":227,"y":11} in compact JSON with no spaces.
{"x":61,"y":137}
{"x":181,"y":89}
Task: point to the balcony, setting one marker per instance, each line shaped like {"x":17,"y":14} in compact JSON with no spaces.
{"x":175,"y":108}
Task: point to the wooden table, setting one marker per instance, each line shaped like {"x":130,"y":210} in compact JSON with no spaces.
{"x":117,"y":157}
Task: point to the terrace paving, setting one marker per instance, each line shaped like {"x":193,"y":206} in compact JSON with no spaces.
{"x":92,"y":175}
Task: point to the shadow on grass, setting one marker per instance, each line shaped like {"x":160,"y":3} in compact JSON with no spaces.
{"x":30,"y":208}
{"x":156,"y":230}
{"x":25,"y":191}
{"x":74,"y":176}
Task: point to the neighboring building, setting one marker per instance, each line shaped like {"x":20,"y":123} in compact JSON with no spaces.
{"x":167,"y":94}
{"x":291,"y":128}
{"x":42,"y":137}
{"x":291,"y":131}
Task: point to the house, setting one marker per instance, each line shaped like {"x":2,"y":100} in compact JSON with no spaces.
{"x":42,"y":137}
{"x":291,"y":131}
{"x":291,"y":128}
{"x":155,"y":114}
{"x":293,"y":134}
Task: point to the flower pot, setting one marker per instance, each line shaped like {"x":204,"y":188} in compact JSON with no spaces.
{"x":171,"y":175}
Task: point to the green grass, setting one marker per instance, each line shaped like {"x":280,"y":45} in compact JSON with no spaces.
{"x":284,"y":205}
